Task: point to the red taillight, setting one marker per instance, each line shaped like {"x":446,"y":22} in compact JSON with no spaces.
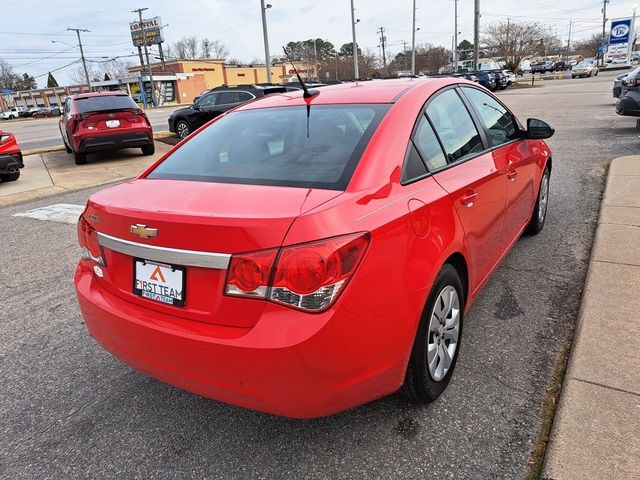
{"x":249,"y":273}
{"x":88,"y":239}
{"x":309,"y":277}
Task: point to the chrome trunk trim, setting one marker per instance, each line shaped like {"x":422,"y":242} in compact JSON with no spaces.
{"x":171,"y":256}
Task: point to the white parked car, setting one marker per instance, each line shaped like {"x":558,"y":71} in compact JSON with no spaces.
{"x":584,"y":69}
{"x":13,"y":112}
{"x":511,"y":77}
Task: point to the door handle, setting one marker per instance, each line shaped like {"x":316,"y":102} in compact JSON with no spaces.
{"x":469,"y":198}
{"x":512,"y":174}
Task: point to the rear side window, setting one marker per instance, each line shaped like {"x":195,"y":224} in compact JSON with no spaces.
{"x":270,"y":146}
{"x":454,"y":126}
{"x":245,"y":96}
{"x":227,"y":97}
{"x":428,"y":145}
{"x":104,"y":102}
{"x":497,"y":120}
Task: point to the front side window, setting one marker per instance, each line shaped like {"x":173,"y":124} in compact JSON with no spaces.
{"x":497,"y":119}
{"x":454,"y":126}
{"x":271,"y":146}
{"x":208,"y":100}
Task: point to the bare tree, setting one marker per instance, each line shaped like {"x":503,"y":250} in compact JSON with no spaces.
{"x":77,"y":74}
{"x":430,"y":58}
{"x":515,"y":41}
{"x":117,"y":67}
{"x":185,"y":48}
{"x":215,"y":49}
{"x":588,"y":47}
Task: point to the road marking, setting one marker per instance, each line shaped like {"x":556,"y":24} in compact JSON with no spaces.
{"x":59,"y":212}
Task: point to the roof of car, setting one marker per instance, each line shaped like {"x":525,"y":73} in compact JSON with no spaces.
{"x":374,"y":91}
{"x":99,"y":94}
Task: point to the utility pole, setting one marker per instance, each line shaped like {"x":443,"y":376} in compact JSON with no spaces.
{"x":84,"y":62}
{"x":455,"y":36}
{"x":508,"y":45}
{"x":404,"y":52}
{"x":356,"y":73}
{"x":413,"y":41}
{"x":382,"y":41}
{"x":604,"y":27}
{"x":569,"y":39}
{"x":267,"y":59}
{"x":632,"y":36}
{"x":146,"y":53}
{"x":476,"y":33}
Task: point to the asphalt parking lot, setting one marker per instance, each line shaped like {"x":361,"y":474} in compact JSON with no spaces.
{"x":70,"y":410}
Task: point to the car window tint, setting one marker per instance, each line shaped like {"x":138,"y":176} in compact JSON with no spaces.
{"x":244,"y":96}
{"x":208,"y":100}
{"x":454,"y":126}
{"x":271,"y":147}
{"x":227,"y":97}
{"x":413,"y":167}
{"x":497,"y":119}
{"x":104,"y":102}
{"x":428,"y":145}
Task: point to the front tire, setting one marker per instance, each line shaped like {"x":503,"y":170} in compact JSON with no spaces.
{"x":437,"y":343}
{"x":183,"y":129}
{"x":539,"y":215}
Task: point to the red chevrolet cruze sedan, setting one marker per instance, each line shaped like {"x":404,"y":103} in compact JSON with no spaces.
{"x":303,"y":254}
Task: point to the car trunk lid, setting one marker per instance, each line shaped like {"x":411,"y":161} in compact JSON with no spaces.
{"x":196,"y":226}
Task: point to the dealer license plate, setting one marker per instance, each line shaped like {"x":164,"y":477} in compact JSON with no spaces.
{"x":113,"y":123}
{"x":159,"y":282}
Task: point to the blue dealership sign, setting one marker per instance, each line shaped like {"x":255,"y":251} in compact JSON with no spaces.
{"x":620,"y":31}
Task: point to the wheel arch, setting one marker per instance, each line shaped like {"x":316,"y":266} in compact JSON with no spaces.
{"x":459,"y":262}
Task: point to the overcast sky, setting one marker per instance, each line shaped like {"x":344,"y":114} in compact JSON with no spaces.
{"x":29,"y":26}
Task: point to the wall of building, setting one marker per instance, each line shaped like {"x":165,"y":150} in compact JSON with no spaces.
{"x":186,"y":90}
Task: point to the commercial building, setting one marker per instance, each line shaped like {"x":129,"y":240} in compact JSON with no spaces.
{"x":175,"y":82}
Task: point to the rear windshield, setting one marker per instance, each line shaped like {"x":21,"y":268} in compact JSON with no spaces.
{"x":270,"y":146}
{"x":106,"y":102}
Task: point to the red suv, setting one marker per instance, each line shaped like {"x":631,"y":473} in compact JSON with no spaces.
{"x":10,"y":157}
{"x":92,"y":122}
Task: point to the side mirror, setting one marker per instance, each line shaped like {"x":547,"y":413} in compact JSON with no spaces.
{"x":195,"y":106}
{"x":538,"y":130}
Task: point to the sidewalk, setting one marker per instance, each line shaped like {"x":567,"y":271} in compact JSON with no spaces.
{"x":596,"y":431}
{"x":55,"y":172}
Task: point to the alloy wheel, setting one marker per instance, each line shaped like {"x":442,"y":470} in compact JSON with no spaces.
{"x":543,"y":197}
{"x":182,"y":129}
{"x":444,"y":331}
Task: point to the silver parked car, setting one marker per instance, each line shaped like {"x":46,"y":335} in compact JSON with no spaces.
{"x":584,"y":69}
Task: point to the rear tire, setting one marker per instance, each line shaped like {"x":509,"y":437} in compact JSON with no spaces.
{"x":149,"y":149}
{"x":437,"y":343}
{"x":539,"y":215}
{"x":10,"y":177}
{"x":80,"y":158}
{"x":67,"y":147}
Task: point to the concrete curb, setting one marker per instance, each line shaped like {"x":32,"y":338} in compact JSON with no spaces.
{"x":596,"y":431}
{"x":56,"y":148}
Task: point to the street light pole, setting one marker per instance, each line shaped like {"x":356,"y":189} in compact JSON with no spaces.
{"x":84,"y":62}
{"x":267,"y":59}
{"x":146,"y":53}
{"x":356,"y":73}
{"x":632,"y":36}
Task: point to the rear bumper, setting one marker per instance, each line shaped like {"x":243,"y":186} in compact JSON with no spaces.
{"x":8,"y":163}
{"x":289,"y":364}
{"x":114,"y":142}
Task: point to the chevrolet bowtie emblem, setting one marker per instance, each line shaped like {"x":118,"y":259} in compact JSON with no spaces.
{"x":143,"y":232}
